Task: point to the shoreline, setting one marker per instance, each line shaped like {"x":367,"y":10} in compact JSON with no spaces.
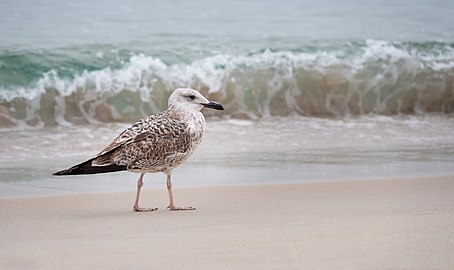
{"x":157,"y":183}
{"x":271,"y":150}
{"x":370,"y":224}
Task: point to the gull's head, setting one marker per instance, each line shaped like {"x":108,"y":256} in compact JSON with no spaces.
{"x":188,"y":99}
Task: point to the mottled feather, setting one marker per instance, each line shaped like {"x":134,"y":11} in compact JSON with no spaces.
{"x":156,"y":143}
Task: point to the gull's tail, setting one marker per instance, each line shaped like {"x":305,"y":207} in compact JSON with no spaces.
{"x":86,"y":167}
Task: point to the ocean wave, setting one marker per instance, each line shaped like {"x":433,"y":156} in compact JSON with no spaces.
{"x":377,"y":77}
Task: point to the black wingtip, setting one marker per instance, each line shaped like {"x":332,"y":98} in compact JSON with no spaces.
{"x":63,"y":172}
{"x":71,"y":171}
{"x":87,"y":168}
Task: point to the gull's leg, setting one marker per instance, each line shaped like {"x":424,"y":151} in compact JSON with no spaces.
{"x":136,"y":207}
{"x":171,"y":205}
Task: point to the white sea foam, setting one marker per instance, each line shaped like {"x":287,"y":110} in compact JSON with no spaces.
{"x":379,"y":77}
{"x":141,"y":71}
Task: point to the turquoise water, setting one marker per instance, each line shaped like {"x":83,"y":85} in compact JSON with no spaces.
{"x":219,"y":25}
{"x":67,"y":62}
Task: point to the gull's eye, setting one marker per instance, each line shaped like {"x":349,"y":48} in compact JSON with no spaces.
{"x":192,"y":97}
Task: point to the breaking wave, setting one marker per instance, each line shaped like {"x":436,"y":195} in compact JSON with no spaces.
{"x":378,"y":77}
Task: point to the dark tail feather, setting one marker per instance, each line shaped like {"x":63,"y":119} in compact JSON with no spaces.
{"x":87,"y":168}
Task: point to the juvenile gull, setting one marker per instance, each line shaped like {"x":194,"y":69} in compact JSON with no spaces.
{"x":157,"y":143}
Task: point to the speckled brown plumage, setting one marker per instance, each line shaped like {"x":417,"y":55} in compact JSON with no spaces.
{"x":157,"y":143}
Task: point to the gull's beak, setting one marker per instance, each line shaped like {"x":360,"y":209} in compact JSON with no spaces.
{"x":213,"y":105}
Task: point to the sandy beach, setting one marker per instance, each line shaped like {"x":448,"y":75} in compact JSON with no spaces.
{"x":374,"y":224}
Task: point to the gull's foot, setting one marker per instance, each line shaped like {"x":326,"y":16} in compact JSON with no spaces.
{"x":173,"y":208}
{"x":140,"y":209}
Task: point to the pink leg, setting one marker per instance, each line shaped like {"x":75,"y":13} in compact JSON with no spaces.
{"x":136,"y":207}
{"x":171,"y":205}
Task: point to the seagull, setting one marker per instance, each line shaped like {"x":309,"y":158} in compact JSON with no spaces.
{"x":157,"y":143}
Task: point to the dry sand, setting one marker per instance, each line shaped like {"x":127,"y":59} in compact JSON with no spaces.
{"x":376,"y":224}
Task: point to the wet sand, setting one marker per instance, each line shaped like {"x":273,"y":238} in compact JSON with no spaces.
{"x":373,"y":224}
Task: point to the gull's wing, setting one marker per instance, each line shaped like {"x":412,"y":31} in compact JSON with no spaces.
{"x":148,"y":142}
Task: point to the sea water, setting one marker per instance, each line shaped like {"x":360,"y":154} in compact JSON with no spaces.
{"x":236,"y":152}
{"x":312,"y":91}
